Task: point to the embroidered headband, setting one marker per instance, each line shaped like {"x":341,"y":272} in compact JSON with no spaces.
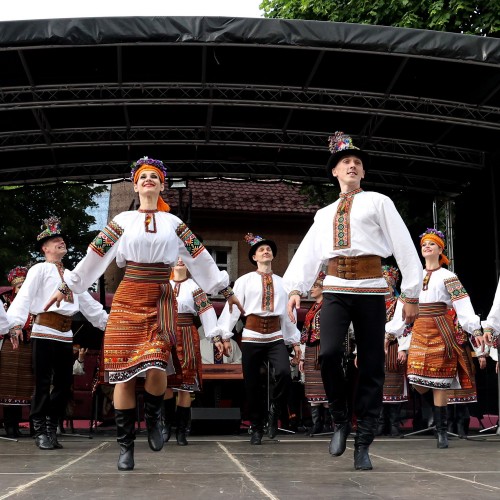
{"x":146,"y":163}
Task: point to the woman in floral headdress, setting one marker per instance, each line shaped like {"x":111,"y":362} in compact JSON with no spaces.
{"x":436,"y":359}
{"x":141,"y":330}
{"x":309,"y":363}
{"x":16,"y":376}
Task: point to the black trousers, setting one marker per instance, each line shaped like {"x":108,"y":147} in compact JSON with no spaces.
{"x":253,"y":357}
{"x":52,"y":365}
{"x":367,"y":313}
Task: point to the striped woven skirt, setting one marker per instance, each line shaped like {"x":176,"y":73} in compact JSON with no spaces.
{"x":187,"y":351}
{"x":435,"y":359}
{"x":16,"y":374}
{"x":141,"y":327}
{"x":395,"y":386}
{"x":314,"y":390}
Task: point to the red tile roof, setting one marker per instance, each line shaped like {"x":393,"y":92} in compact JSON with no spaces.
{"x":243,"y":196}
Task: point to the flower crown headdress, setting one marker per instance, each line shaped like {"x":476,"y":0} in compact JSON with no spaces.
{"x":340,"y":142}
{"x":147,"y":161}
{"x":252,"y":239}
{"x":431,"y":230}
{"x":50,"y":227}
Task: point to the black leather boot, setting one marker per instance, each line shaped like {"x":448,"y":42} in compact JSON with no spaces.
{"x":272,"y":429}
{"x":364,"y":438}
{"x":441,"y":421}
{"x":52,"y":432}
{"x":125,"y":435}
{"x":380,"y":431}
{"x":341,"y":430}
{"x":152,"y":415}
{"x":317,"y":426}
{"x":463,"y":419}
{"x":394,"y":419}
{"x":11,"y":417}
{"x":182,"y":414}
{"x":327,"y":420}
{"x":256,"y":434}
{"x":41,"y":438}
{"x":167,"y":416}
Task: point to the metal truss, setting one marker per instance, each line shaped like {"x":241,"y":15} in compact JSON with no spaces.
{"x":313,"y":99}
{"x":225,"y":136}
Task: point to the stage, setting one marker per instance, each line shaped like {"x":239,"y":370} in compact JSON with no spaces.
{"x":290,"y":467}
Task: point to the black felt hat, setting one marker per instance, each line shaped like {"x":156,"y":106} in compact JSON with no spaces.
{"x":257,"y":241}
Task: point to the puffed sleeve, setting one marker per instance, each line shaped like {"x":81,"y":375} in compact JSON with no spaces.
{"x":291,"y":334}
{"x":93,"y":310}
{"x":463,"y":307}
{"x":492,"y":322}
{"x":100,"y":254}
{"x":307,"y":261}
{"x":396,"y":326}
{"x":19,"y":310}
{"x":199,"y":262}
{"x":228,"y":320}
{"x":403,"y":250}
{"x":206,"y":313}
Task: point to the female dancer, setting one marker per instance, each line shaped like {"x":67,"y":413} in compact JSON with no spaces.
{"x":436,"y":360}
{"x":191,"y":301}
{"x":141,"y":328}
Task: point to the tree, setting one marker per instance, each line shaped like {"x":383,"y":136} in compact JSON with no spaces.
{"x":25,"y":208}
{"x":475,"y":17}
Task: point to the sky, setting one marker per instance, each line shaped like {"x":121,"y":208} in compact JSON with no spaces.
{"x":51,"y":9}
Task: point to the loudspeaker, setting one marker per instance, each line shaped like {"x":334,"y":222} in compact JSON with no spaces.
{"x":215,"y":421}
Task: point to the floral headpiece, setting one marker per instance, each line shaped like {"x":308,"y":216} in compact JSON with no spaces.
{"x":253,"y":240}
{"x":17,"y":275}
{"x":340,"y":142}
{"x":320,"y":278}
{"x":147,"y":161}
{"x":391,"y":275}
{"x":51,"y":227}
{"x":431,"y":230}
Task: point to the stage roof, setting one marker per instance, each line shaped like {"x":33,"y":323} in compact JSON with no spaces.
{"x":218,"y":97}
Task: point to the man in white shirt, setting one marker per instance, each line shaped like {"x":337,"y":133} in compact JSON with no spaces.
{"x":351,"y":236}
{"x":267,"y":330}
{"x":51,"y":335}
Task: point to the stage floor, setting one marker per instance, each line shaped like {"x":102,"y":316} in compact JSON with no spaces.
{"x":289,"y":467}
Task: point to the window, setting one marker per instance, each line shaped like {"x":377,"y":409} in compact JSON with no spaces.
{"x":225,"y":254}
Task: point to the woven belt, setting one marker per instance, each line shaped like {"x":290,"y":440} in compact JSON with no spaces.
{"x":185,"y":319}
{"x":263,"y":324}
{"x":147,"y":273}
{"x":355,"y":268}
{"x":432,"y":309}
{"x":54,"y":320}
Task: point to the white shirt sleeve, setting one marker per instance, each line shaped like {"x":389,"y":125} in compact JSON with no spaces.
{"x":493,"y":319}
{"x":396,"y":326}
{"x":93,"y":310}
{"x":19,"y":310}
{"x":227,"y":320}
{"x":5,"y":324}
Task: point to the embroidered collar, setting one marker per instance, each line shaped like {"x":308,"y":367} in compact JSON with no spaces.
{"x":145,"y":211}
{"x":180,"y":281}
{"x":350,"y":194}
{"x":264,"y":274}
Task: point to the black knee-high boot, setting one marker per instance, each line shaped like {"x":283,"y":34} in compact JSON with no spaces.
{"x":52,"y":422}
{"x":274,"y":413}
{"x":441,"y":421}
{"x":341,"y":430}
{"x":125,"y":435}
{"x":11,"y":418}
{"x":182,"y":414}
{"x":167,"y":417}
{"x":41,"y":437}
{"x":152,"y":415}
{"x":317,"y":426}
{"x":364,"y":438}
{"x":394,"y":419}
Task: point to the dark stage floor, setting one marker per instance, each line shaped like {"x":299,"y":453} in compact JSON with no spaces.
{"x":290,"y":467}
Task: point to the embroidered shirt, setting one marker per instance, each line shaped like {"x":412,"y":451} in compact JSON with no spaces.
{"x":374,"y":228}
{"x":41,"y":282}
{"x":125,"y":239}
{"x":248,"y":289}
{"x":441,"y":288}
{"x":191,"y":299}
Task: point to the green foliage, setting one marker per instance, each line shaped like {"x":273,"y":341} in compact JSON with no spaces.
{"x":25,"y":208}
{"x":475,"y":17}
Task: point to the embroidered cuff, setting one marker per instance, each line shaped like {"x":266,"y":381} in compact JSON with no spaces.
{"x":296,"y":344}
{"x":490,"y":331}
{"x":294,"y":292}
{"x":64,"y":289}
{"x":226,"y":341}
{"x":216,"y":339}
{"x":408,"y":300}
{"x":227,"y":292}
{"x":390,"y":337}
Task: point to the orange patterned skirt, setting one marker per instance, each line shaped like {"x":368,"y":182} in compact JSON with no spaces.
{"x":141,"y":326}
{"x":435,"y":359}
{"x":187,"y":375}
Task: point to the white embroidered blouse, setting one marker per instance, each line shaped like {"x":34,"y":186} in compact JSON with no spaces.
{"x":263,"y":301}
{"x":492,"y":322}
{"x":191,"y":299}
{"x":41,"y":282}
{"x":370,"y":225}
{"x":5,"y":323}
{"x":146,"y":238}
{"x":443,"y":286}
